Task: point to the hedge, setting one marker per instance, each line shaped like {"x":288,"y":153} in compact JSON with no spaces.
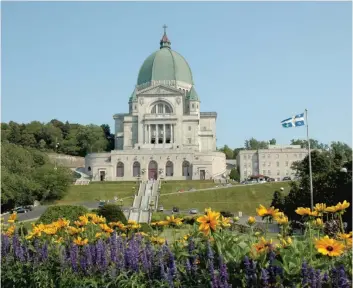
{"x":69,"y":212}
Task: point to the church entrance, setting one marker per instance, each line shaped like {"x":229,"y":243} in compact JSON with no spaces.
{"x":152,"y":170}
{"x":202,"y":174}
{"x":102,"y":175}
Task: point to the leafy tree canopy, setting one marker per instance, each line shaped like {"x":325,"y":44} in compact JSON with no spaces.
{"x":27,"y":175}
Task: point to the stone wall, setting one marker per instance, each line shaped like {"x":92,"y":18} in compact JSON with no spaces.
{"x":67,"y":160}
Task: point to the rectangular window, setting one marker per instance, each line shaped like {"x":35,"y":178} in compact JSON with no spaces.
{"x":264,"y":164}
{"x":189,"y":140}
{"x":268,"y":172}
{"x":244,"y":165}
{"x":286,"y":163}
{"x":244,"y":157}
{"x":264,"y":172}
{"x":269,"y":164}
{"x":189,"y":128}
{"x":277,"y":164}
{"x":268,"y":156}
{"x":278,"y":172}
{"x":263,"y":156}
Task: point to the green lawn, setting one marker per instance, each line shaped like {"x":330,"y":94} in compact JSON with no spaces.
{"x":175,"y":186}
{"x":100,"y":191}
{"x":240,"y":198}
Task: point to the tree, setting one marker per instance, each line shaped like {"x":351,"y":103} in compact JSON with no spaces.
{"x":314,"y":144}
{"x":226,"y":150}
{"x":28,"y":175}
{"x":272,"y":141}
{"x":234,"y":175}
{"x":253,"y":144}
{"x":236,"y":152}
{"x":278,"y":200}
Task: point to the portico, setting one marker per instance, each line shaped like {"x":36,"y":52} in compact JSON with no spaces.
{"x":159,"y":133}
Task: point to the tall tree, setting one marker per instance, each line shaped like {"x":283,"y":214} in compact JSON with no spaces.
{"x":314,"y":144}
{"x":253,"y":144}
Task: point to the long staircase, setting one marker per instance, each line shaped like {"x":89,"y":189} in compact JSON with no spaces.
{"x":141,"y":209}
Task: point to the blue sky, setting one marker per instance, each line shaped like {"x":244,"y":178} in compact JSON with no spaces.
{"x":255,"y":64}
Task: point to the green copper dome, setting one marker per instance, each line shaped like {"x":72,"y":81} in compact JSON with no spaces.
{"x":165,"y":64}
{"x":192,"y":95}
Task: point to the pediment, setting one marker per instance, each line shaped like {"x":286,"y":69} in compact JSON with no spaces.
{"x":159,"y":90}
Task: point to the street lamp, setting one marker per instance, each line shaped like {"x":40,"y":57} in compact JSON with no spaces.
{"x":151,"y":209}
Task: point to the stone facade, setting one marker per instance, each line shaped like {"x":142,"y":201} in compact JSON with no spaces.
{"x":274,"y":162}
{"x":164,"y":135}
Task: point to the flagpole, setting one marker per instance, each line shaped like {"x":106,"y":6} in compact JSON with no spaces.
{"x":310,"y":170}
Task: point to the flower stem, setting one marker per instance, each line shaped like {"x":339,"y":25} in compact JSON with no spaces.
{"x":311,"y":244}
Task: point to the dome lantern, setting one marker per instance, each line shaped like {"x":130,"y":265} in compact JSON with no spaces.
{"x":165,"y":43}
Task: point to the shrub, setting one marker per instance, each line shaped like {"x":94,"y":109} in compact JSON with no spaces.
{"x":227,"y":214}
{"x":69,"y":212}
{"x":157,"y":217}
{"x":112,"y":213}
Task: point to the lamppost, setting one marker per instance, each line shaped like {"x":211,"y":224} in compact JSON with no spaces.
{"x":151,"y":209}
{"x":56,"y":151}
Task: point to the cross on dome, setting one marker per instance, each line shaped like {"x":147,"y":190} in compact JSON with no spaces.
{"x":165,"y":43}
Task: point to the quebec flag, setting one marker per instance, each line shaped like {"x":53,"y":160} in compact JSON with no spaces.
{"x":296,"y":121}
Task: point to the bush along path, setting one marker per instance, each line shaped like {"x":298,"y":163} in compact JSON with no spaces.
{"x":92,"y":252}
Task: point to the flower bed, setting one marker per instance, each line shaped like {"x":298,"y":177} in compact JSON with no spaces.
{"x":93,"y":253}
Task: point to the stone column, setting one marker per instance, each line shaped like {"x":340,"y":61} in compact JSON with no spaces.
{"x":149,"y":134}
{"x":163,"y":133}
{"x":171,"y":133}
{"x":157,"y":135}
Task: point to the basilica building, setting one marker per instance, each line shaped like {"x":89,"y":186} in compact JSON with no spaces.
{"x":164,"y":135}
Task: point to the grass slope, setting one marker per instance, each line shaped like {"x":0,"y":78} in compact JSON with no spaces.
{"x":100,"y":191}
{"x":240,"y":198}
{"x":175,"y":186}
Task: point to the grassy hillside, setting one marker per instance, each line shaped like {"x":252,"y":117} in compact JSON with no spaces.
{"x":100,"y":191}
{"x":175,"y":186}
{"x":239,"y":198}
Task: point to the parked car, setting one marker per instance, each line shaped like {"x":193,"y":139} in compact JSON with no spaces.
{"x":286,"y":178}
{"x":20,"y":210}
{"x":101,"y":204}
{"x":160,"y":209}
{"x":271,"y":180}
{"x":175,"y":209}
{"x":193,"y":211}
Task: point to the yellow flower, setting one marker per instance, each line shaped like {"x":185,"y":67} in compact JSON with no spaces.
{"x":162,"y":223}
{"x":225,"y":222}
{"x":83,"y":221}
{"x":344,"y":236}
{"x":74,"y":230}
{"x":50,"y":229}
{"x":95,"y":219}
{"x":303,"y":211}
{"x":281,"y":219}
{"x":10,"y":230}
{"x":318,"y":223}
{"x":342,"y":206}
{"x":106,"y":228}
{"x":251,"y":220}
{"x":157,"y":240}
{"x":174,"y":221}
{"x":263,"y":245}
{"x":61,"y":223}
{"x":208,"y":221}
{"x":285,"y":242}
{"x":266,"y":212}
{"x":186,"y":237}
{"x":98,"y":235}
{"x":58,"y":240}
{"x":12,"y":218}
{"x":131,"y":222}
{"x":142,"y":234}
{"x":80,"y":242}
{"x":328,"y":246}
{"x":320,"y":208}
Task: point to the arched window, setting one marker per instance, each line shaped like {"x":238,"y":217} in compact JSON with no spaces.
{"x":120,"y":169}
{"x":89,"y":169}
{"x":136,"y":169}
{"x":169,"y":167}
{"x":161,"y":108}
{"x":186,"y":168}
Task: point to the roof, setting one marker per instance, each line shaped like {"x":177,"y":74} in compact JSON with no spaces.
{"x":165,"y":64}
{"x":192,"y":95}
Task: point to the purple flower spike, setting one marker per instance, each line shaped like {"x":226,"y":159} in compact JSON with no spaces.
{"x":264,"y":277}
{"x":73,"y":257}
